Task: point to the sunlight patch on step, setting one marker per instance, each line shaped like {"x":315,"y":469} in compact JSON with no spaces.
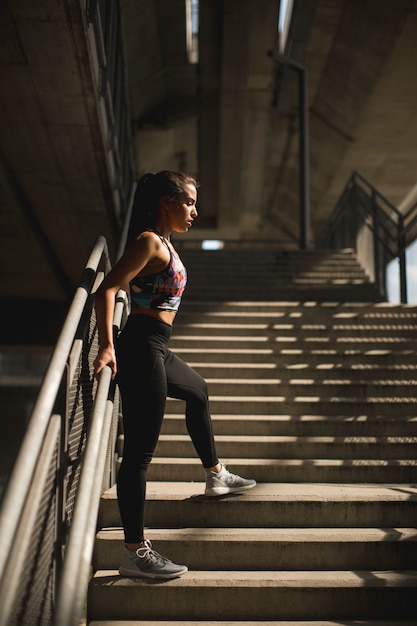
{"x":229,"y":326}
{"x":286,"y":339}
{"x":230,"y":366}
{"x":346,"y":315}
{"x":245,"y":381}
{"x":318,"y":339}
{"x":322,"y":352}
{"x":218,"y":338}
{"x":224,"y":351}
{"x":246,"y":399}
{"x":283,"y":326}
{"x":314,"y":327}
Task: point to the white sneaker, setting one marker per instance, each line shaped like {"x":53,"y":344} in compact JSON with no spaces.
{"x":146,"y":563}
{"x":224,"y":482}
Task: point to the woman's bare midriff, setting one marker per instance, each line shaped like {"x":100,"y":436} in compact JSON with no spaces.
{"x":165,"y":316}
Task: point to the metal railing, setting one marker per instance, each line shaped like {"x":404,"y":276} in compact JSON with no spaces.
{"x":104,"y":33}
{"x":363,"y":219}
{"x":66,"y":460}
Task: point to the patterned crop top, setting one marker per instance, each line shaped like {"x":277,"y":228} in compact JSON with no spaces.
{"x":160,"y":291}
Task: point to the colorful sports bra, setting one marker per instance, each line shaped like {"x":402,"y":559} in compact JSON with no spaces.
{"x":160,"y":291}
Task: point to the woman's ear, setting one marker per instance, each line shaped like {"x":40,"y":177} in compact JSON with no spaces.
{"x":165,"y":201}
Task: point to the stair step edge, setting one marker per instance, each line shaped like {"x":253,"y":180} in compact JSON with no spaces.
{"x":277,"y":579}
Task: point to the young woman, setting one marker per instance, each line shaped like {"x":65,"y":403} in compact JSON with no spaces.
{"x":147,"y":371}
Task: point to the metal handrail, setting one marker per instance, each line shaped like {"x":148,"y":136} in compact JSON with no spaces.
{"x":361,"y":206}
{"x":44,"y":442}
{"x":79,"y":550}
{"x":21,"y":477}
{"x":104,"y":32}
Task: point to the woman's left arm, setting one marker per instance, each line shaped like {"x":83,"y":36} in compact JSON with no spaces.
{"x":139,"y":253}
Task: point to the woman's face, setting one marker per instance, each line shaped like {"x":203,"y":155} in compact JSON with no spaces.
{"x":183,"y":209}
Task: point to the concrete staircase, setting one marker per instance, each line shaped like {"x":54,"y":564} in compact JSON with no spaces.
{"x":261,"y":274}
{"x":316,"y":399}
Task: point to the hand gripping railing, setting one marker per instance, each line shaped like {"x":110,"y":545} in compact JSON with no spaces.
{"x":49,"y":510}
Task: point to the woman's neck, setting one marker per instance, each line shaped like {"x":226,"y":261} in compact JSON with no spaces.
{"x":161,"y":233}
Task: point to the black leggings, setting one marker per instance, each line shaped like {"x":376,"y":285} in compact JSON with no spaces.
{"x":148,"y":372}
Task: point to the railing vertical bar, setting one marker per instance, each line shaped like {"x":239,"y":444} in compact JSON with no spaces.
{"x":61,"y":408}
{"x":374,"y":210}
{"x":81,"y":537}
{"x":403,"y":278}
{"x":18,"y":549}
{"x":402,"y":261}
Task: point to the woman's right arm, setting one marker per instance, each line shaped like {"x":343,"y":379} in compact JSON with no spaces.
{"x":105,"y":303}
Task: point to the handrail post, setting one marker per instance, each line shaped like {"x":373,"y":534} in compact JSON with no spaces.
{"x":61,"y":410}
{"x":375,"y":230}
{"x":402,"y":261}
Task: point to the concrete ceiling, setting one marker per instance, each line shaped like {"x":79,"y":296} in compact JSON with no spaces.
{"x":231,"y":120}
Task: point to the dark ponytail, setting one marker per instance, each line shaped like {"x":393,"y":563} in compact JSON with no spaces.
{"x":150,"y":189}
{"x":141,"y":216}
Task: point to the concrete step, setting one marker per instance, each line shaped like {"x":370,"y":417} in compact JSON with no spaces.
{"x":331,"y":314}
{"x":351,"y":293}
{"x":276,"y":263}
{"x":264,"y":257}
{"x":315,"y":357}
{"x":276,"y":267}
{"x":298,"y":386}
{"x":280,"y":278}
{"x":311,"y":425}
{"x":287,"y":447}
{"x":295,"y":470}
{"x":278,"y":272}
{"x":270,"y":373}
{"x":237,"y":255}
{"x":307,"y":405}
{"x":183,"y":505}
{"x":249,"y":623}
{"x":367,"y":307}
{"x":279,"y":288}
{"x":254,"y":549}
{"x":289,"y":315}
{"x":303,"y":332}
{"x":316,"y":373}
{"x":247,"y":595}
{"x":262,"y":266}
{"x":332,"y":357}
{"x":311,"y":310}
{"x":311,"y":259}
{"x":278,"y":343}
{"x":242,"y":248}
